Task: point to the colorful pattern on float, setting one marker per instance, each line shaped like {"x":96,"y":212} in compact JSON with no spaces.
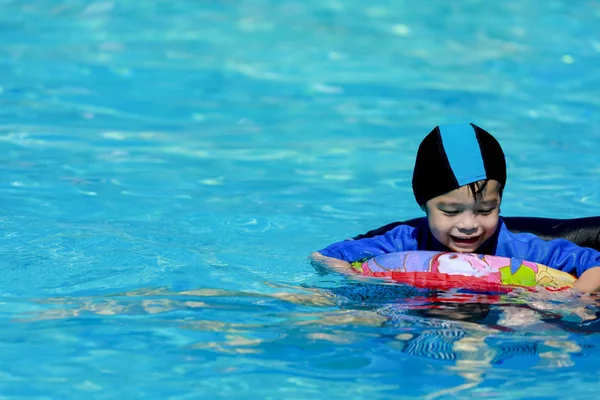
{"x":441,"y":270}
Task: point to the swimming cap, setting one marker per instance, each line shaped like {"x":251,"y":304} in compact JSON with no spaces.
{"x":452,"y":156}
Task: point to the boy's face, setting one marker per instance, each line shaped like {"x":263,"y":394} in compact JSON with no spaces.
{"x":461,"y":222}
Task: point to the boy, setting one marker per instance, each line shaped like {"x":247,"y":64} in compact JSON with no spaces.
{"x":458,"y":179}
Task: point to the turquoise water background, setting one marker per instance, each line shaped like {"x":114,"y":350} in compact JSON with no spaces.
{"x":167,"y":166}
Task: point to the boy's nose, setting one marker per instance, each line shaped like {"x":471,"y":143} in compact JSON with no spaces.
{"x":468,"y":225}
{"x":467,"y":231}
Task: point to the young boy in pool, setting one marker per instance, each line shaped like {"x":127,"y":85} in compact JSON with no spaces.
{"x":458,"y":179}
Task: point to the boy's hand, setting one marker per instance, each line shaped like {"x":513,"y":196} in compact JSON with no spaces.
{"x":340,"y":266}
{"x":589,"y":281}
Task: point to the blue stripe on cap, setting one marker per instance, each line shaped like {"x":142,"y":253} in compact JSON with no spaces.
{"x":463,"y":152}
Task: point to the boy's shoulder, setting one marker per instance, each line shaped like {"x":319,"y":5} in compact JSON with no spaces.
{"x":387,"y":239}
{"x":527,"y":242}
{"x":398,"y":227}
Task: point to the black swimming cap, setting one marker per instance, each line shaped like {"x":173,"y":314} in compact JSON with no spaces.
{"x":452,"y":156}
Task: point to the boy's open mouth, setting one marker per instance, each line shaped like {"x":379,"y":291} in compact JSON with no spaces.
{"x":466,"y":240}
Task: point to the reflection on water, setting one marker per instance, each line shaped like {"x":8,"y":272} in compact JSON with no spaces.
{"x":461,"y":328}
{"x":315,"y":332}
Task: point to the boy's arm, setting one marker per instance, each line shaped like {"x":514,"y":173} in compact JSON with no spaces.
{"x":582,"y":262}
{"x":400,"y":238}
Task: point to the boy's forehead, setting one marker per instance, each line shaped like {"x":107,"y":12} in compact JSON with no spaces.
{"x":464,"y":194}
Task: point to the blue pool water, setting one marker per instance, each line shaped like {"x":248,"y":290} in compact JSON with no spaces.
{"x":167,"y":167}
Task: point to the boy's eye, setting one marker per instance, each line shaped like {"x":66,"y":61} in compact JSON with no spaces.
{"x":487,"y":210}
{"x":450,"y":212}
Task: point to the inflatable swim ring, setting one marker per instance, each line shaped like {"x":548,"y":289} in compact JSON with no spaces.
{"x":444,"y":270}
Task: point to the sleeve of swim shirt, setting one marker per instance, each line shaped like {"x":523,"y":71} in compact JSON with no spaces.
{"x":558,"y":253}
{"x":400,"y":238}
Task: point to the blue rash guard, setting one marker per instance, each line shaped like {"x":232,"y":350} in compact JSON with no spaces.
{"x":558,"y":253}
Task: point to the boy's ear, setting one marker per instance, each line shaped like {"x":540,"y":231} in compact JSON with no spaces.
{"x":424,"y":208}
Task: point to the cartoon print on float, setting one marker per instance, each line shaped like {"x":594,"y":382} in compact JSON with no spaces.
{"x":402,"y":266}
